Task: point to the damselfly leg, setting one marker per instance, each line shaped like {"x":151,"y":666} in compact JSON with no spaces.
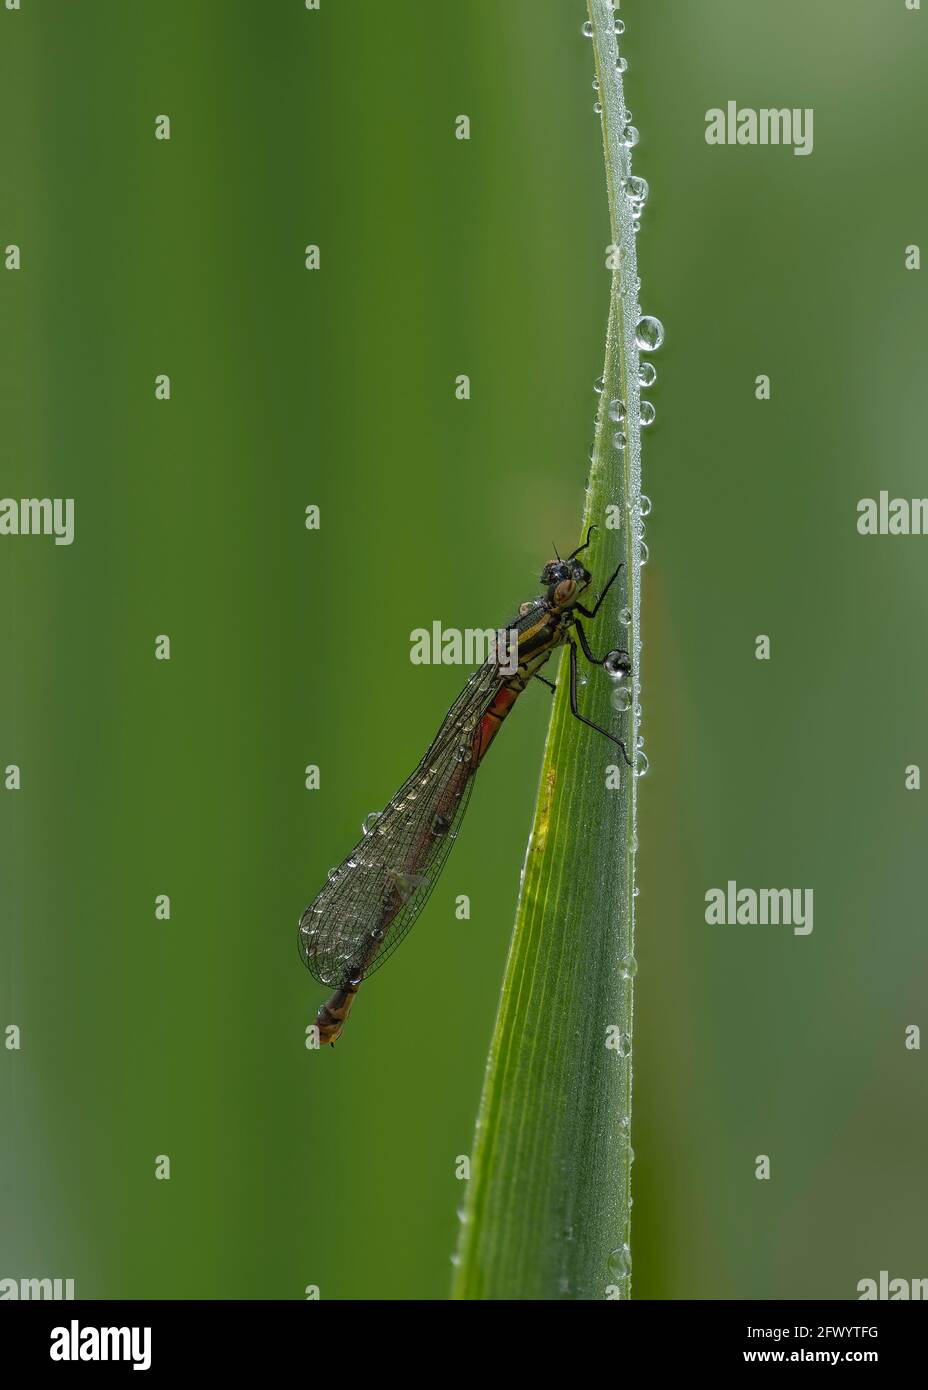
{"x":591,"y":612}
{"x":574,"y":709}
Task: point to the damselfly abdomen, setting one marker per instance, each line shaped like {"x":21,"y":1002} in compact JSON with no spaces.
{"x":371,"y":900}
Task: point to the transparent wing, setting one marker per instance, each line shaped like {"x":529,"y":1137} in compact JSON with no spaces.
{"x":372,"y":899}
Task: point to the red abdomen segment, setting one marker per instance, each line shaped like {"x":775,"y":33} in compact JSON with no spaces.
{"x":492,"y":721}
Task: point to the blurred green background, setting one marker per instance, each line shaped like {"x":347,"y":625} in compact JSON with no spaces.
{"x":289,"y":647}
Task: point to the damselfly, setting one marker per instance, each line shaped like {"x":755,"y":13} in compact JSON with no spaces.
{"x":369,"y":903}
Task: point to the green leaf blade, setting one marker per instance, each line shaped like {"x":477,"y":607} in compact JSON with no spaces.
{"x":548,"y":1204}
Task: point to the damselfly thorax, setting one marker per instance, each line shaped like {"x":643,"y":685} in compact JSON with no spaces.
{"x":370,"y":901}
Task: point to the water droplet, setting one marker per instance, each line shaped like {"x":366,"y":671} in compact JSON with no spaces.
{"x":645,"y":552}
{"x":625,"y":617}
{"x":595,"y":84}
{"x":628,"y":967}
{"x":649,"y":334}
{"x":351,"y":863}
{"x":619,"y":26}
{"x":619,"y":1263}
{"x":621,"y":699}
{"x":617,"y":411}
{"x":630,"y":137}
{"x":369,"y":821}
{"x":647,"y":374}
{"x":333,"y":875}
{"x":377,"y":934}
{"x":624,"y":1048}
{"x":641,"y":764}
{"x":598,"y":385}
{"x":586,"y":29}
{"x":647,"y":413}
{"x":618,"y":440}
{"x":617,"y":664}
{"x":625,"y":1123}
{"x":621,"y":65}
{"x":645,"y":506}
{"x":597,"y":108}
{"x":636,"y":190}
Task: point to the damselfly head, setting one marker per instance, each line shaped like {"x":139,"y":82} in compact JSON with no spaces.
{"x":565,"y":580}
